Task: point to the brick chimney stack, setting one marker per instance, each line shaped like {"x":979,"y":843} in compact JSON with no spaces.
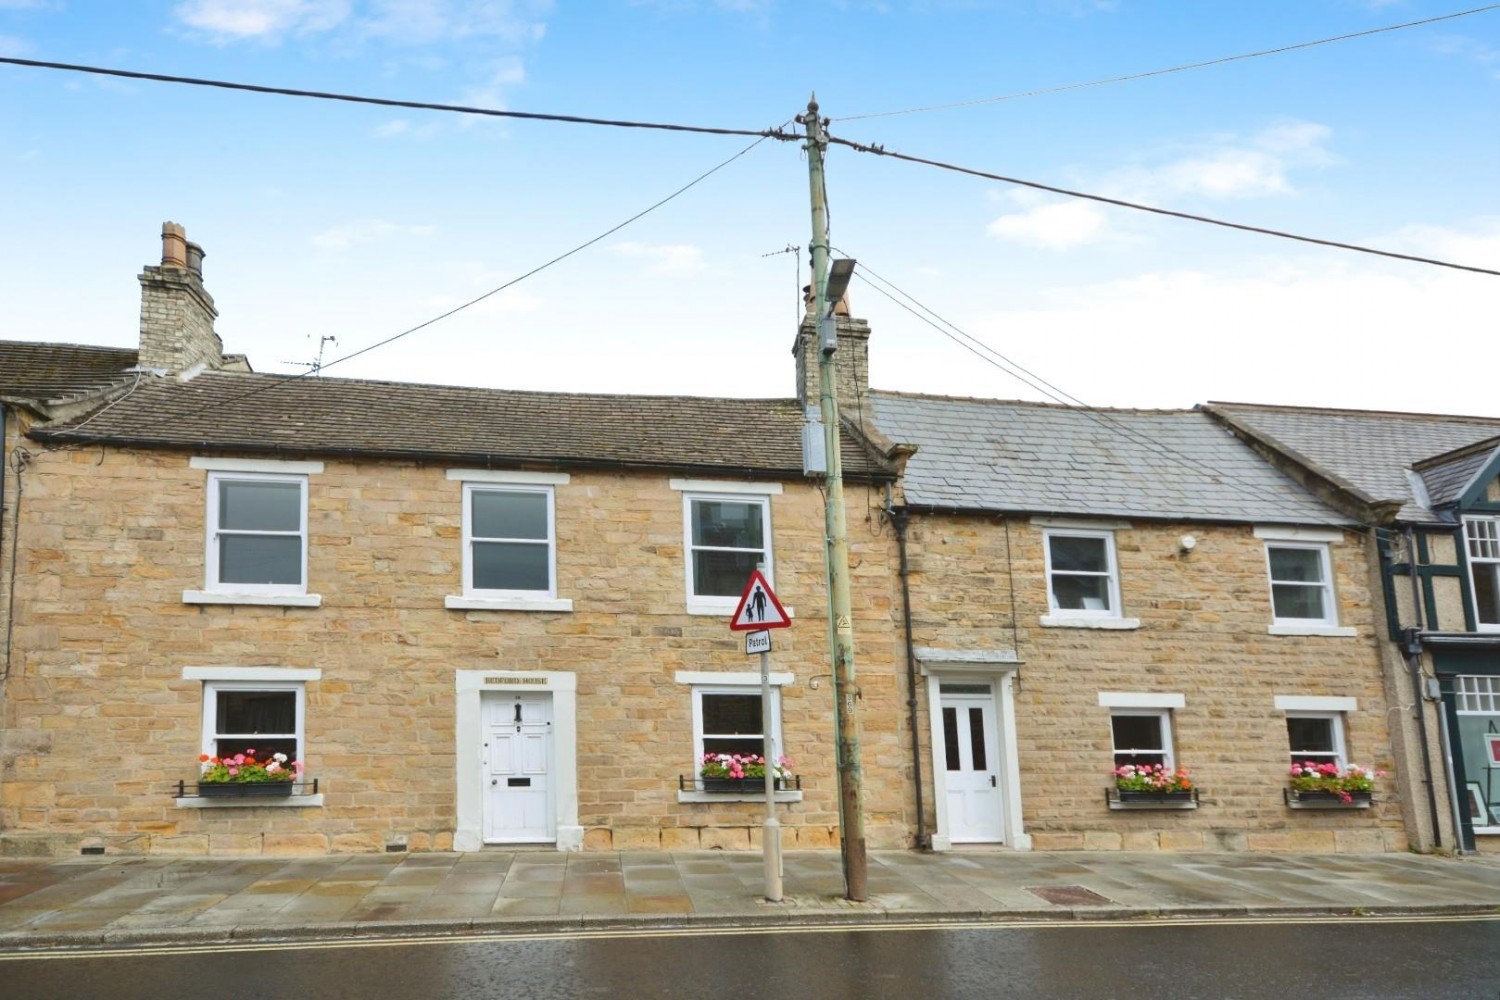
{"x":177,"y":313}
{"x":851,"y":362}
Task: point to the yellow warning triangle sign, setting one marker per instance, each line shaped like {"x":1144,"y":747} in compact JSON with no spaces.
{"x":759,"y":608}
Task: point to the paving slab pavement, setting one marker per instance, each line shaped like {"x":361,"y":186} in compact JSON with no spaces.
{"x":89,"y":902}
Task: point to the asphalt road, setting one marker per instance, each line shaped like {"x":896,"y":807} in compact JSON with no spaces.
{"x":1425,"y":959}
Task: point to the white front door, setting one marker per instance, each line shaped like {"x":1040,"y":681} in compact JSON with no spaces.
{"x":518,"y":806}
{"x":970,"y":753}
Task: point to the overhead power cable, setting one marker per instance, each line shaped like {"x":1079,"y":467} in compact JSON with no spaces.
{"x":387,"y":102}
{"x":1171,"y":69}
{"x":1099,"y":415}
{"x":288,"y":379}
{"x":1137,"y":206}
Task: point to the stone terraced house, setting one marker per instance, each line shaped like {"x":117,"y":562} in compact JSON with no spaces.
{"x":1091,"y":588}
{"x":475,"y":616}
{"x":1428,"y":484}
{"x":483,"y":617}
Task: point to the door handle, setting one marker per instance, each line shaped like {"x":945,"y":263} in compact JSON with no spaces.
{"x":992,"y":781}
{"x":494,"y":781}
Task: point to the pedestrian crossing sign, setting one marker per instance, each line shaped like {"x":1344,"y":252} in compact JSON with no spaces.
{"x":758,"y":608}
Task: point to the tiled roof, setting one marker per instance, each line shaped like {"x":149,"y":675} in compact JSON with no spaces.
{"x":55,"y":372}
{"x":1000,"y":455}
{"x":1446,"y":476}
{"x":269,"y":414}
{"x":1368,"y":449}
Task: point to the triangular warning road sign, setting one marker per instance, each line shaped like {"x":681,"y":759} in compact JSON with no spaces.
{"x":758,"y":608}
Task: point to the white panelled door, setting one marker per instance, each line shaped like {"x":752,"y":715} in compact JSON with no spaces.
{"x":970,"y":752}
{"x":518,"y":806}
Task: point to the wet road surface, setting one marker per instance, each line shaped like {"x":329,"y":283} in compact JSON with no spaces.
{"x":1425,"y":959}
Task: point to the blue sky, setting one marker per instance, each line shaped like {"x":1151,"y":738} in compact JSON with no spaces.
{"x":324,"y":219}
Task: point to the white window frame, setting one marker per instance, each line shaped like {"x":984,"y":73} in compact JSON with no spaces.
{"x":1492,"y":543}
{"x":737,"y":682}
{"x":212,"y":583}
{"x":500,"y":600}
{"x":1340,"y":753}
{"x":1330,"y":617}
{"x":713,"y":605}
{"x":1055,"y":612}
{"x":1169,"y":757}
{"x":211,"y":689}
{"x":736,"y":689}
{"x":472,"y":591}
{"x":1476,"y":694}
{"x":216,"y":679}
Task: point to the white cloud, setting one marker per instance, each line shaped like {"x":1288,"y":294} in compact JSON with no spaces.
{"x":1484,"y":54}
{"x":13,"y":46}
{"x":401,"y":22}
{"x":1320,"y":328}
{"x":664,"y":258}
{"x":489,"y":90}
{"x":1232,"y":173}
{"x":366,"y":231}
{"x":1229,"y":166}
{"x":1058,"y":225}
{"x":1221,"y":168}
{"x":1479,"y":247}
{"x":233,"y":20}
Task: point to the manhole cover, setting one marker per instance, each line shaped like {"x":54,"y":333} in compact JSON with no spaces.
{"x":1069,"y":895}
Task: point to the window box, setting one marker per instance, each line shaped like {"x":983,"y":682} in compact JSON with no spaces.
{"x":271,"y":790}
{"x":243,"y":789}
{"x":1120,"y":799}
{"x":1326,"y":800}
{"x":738,"y":786}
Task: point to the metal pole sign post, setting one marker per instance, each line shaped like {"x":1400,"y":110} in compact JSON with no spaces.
{"x":760,"y":611}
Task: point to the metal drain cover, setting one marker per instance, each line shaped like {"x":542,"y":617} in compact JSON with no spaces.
{"x":1069,"y":895}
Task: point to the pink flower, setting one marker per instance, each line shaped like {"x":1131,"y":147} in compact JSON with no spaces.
{"x":233,"y":771}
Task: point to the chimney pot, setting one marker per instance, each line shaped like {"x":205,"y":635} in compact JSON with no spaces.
{"x":195,"y":260}
{"x":177,"y":313}
{"x":173,"y":245}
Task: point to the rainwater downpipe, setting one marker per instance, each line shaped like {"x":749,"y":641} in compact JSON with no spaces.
{"x":1413,"y":648}
{"x":15,"y":544}
{"x":899,"y":518}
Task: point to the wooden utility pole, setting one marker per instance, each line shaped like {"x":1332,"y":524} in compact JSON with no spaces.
{"x":841,"y":637}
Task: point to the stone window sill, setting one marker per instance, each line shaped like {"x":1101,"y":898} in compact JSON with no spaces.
{"x":270,"y":600}
{"x":507,"y":604}
{"x":1333,"y":630}
{"x":1070,"y":621}
{"x":260,"y":802}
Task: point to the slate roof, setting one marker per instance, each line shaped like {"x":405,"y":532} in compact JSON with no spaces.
{"x":51,"y":373}
{"x":998,"y":455}
{"x":1368,"y":449}
{"x":270,"y":414}
{"x":1445,"y":477}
